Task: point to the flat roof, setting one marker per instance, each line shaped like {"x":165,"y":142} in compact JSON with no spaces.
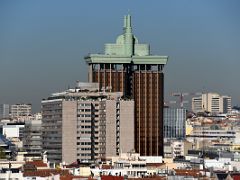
{"x":117,"y":59}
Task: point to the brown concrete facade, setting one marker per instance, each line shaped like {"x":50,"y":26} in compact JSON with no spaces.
{"x":112,"y":77}
{"x":144,"y":83}
{"x":148,"y":96}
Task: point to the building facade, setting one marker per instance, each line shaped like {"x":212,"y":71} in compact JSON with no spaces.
{"x":85,"y":126}
{"x":212,"y":102}
{"x":18,"y":110}
{"x":4,"y":111}
{"x":128,"y":67}
{"x":32,"y":137}
{"x":12,"y":130}
{"x":174,"y":123}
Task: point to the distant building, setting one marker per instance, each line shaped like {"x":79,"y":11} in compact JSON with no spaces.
{"x":18,"y":110}
{"x":212,"y":102}
{"x":174,"y":123}
{"x":4,"y":111}
{"x":86,"y":125}
{"x":32,"y":137}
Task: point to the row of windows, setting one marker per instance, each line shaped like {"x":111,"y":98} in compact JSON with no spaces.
{"x":83,"y":155}
{"x":85,"y":104}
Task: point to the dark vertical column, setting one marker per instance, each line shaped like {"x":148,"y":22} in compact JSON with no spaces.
{"x":145,"y":106}
{"x":160,"y":109}
{"x":138,"y":111}
{"x":110,"y":78}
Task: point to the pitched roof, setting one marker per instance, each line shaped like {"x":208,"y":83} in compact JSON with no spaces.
{"x":105,"y":166}
{"x":236,"y":177}
{"x":37,"y":163}
{"x":112,"y":178}
{"x":71,"y":177}
{"x":149,"y":178}
{"x":186,"y":172}
{"x":46,"y":173}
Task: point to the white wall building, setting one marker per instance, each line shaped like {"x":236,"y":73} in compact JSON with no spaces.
{"x":212,"y":102}
{"x":13,"y":130}
{"x":18,"y":110}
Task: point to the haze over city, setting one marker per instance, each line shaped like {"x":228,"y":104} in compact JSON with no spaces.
{"x":43,"y":43}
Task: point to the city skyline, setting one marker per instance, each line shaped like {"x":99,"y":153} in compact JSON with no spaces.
{"x":43,"y":44}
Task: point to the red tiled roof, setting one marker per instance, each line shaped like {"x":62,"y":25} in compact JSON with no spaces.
{"x":149,"y":178}
{"x":37,"y":163}
{"x":155,"y":164}
{"x":112,"y":178}
{"x":71,"y":177}
{"x":236,"y":177}
{"x":46,"y":172}
{"x":186,"y":172}
{"x":105,"y":166}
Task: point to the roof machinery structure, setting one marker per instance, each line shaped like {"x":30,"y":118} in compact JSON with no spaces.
{"x":128,"y":67}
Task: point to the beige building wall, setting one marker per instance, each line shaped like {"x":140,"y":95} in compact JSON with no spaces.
{"x":187,"y":146}
{"x":69,"y":125}
{"x":211,"y":102}
{"x":111,"y":128}
{"x":126,"y":126}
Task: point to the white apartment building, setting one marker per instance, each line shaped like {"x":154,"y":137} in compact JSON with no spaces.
{"x":212,"y":102}
{"x":84,"y":125}
{"x":18,"y":110}
{"x":13,"y":130}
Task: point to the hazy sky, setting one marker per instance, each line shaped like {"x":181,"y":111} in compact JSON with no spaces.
{"x":42,"y":43}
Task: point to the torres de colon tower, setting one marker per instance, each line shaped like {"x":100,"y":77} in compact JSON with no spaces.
{"x":128,"y":67}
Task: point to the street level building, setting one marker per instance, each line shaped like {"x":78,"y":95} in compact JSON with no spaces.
{"x":212,"y":102}
{"x":86,"y":125}
{"x":127,"y":66}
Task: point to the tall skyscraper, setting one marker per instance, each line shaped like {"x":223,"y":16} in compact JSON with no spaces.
{"x":128,"y":67}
